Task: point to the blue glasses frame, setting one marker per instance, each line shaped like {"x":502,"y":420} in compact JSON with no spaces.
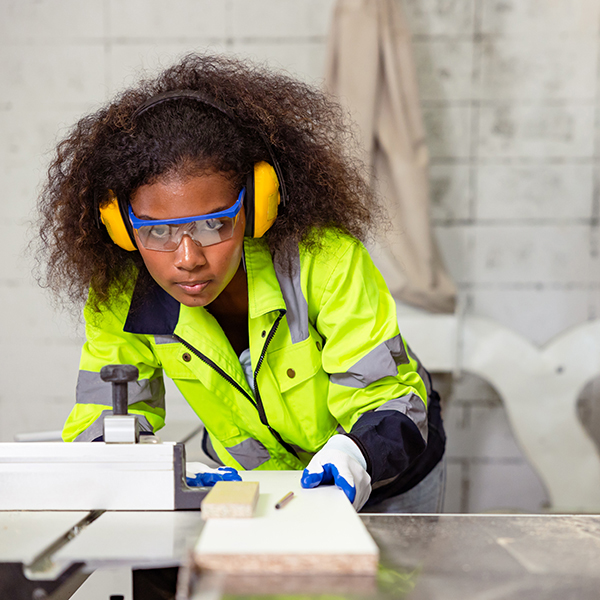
{"x":230,"y":212}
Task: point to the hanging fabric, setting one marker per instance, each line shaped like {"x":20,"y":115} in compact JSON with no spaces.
{"x":371,"y":71}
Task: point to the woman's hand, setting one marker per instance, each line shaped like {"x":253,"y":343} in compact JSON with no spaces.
{"x":207,"y":477}
{"x":340,"y":462}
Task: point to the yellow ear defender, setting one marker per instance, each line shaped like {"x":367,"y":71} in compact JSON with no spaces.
{"x":110,"y":215}
{"x":262,"y":199}
{"x":265,"y":188}
{"x":261,"y":204}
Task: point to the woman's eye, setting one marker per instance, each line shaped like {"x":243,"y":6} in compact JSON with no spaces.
{"x":213,"y":224}
{"x":160,"y":232}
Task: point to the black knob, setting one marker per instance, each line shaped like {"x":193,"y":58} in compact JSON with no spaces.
{"x":119,"y":375}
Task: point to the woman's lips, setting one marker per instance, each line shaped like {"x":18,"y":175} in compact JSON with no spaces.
{"x":192,"y":287}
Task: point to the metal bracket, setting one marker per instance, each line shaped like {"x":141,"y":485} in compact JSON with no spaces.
{"x":186,"y":497}
{"x":16,"y":586}
{"x":121,"y":429}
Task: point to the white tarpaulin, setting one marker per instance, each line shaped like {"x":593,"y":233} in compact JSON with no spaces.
{"x":371,"y":70}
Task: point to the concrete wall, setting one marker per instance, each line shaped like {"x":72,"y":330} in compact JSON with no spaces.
{"x":509,"y":89}
{"x":510,"y":101}
{"x":510,"y":96}
{"x":60,"y":59}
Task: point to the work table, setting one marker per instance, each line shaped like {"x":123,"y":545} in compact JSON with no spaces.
{"x":422,"y":556}
{"x":445,"y":556}
{"x":489,"y":556}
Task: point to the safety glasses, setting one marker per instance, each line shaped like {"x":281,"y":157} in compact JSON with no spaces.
{"x":206,"y":230}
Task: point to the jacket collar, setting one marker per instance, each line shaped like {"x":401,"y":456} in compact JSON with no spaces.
{"x":264,"y":293}
{"x":155,"y":312}
{"x":152,"y":311}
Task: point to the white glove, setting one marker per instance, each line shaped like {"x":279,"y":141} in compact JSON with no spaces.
{"x":341,"y":462}
{"x":205,"y":476}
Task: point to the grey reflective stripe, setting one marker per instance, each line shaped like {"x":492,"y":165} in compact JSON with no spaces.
{"x":383,"y":482}
{"x":413,"y":407}
{"x":250,"y":453}
{"x":381,"y":362}
{"x":96,"y":429}
{"x":92,"y":390}
{"x":164,"y":339}
{"x":421,"y":371}
{"x":295,"y":302}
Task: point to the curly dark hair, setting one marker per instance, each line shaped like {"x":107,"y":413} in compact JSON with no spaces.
{"x":112,"y":150}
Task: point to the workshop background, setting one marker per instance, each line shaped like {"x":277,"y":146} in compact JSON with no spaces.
{"x":510,"y":99}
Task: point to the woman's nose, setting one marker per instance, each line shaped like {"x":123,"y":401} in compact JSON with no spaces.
{"x":188,"y":254}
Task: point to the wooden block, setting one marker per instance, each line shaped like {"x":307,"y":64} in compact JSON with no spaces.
{"x":230,"y":500}
{"x":317,"y":532}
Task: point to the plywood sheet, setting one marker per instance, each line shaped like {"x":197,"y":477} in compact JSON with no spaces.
{"x":317,"y":532}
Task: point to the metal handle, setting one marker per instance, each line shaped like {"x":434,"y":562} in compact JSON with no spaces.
{"x":119,"y":376}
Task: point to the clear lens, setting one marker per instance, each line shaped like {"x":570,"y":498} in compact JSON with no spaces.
{"x":206,"y":232}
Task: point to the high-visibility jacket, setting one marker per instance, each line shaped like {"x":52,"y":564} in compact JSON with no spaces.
{"x":326,"y":353}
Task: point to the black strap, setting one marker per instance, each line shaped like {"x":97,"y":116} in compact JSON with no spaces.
{"x":200,"y":97}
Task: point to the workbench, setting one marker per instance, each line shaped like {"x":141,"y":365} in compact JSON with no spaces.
{"x":422,"y":556}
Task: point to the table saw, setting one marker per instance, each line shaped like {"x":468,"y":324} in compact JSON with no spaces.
{"x":422,"y":556}
{"x":72,"y":513}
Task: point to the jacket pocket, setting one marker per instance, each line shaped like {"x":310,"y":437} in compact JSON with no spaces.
{"x":295,"y":365}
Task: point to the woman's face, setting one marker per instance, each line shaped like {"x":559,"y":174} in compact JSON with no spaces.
{"x":194,"y":275}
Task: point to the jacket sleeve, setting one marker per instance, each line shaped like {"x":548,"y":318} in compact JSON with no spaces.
{"x":377,"y":392}
{"x":106,"y":344}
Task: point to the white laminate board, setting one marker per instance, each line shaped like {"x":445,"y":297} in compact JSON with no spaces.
{"x":317,"y":530}
{"x":24,"y":535}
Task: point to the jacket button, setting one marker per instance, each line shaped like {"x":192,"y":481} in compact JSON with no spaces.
{"x":186,"y":356}
{"x":319,"y":346}
{"x":263,"y":334}
{"x":291,"y":373}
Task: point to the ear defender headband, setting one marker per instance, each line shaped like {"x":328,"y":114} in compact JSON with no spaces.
{"x":265,"y":188}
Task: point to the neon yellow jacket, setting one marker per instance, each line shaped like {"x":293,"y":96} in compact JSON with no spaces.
{"x":326,"y":353}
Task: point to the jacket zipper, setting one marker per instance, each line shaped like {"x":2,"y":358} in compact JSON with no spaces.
{"x":257,"y":403}
{"x":216,"y":367}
